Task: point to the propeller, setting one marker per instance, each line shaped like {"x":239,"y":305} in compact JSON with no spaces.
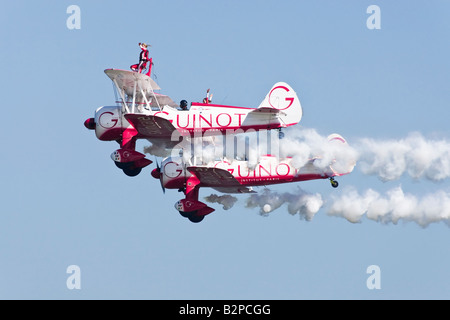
{"x":158,"y":168}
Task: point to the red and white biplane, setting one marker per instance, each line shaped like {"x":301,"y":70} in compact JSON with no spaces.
{"x":237,"y":176}
{"x":142,"y":113}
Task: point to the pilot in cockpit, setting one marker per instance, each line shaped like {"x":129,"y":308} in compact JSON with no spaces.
{"x":184,"y":105}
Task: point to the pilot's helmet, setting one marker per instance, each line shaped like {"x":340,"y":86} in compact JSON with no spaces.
{"x":183,"y":104}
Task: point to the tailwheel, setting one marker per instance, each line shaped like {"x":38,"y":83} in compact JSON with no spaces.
{"x":334,"y":183}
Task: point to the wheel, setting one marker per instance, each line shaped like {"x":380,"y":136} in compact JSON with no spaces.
{"x":132,"y":172}
{"x":195,"y":218}
{"x":334,"y":183}
{"x":122,"y":165}
{"x":280,"y":135}
{"x":187,"y":214}
{"x":192,"y":216}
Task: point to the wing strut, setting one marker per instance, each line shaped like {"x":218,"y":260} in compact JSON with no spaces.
{"x":124,"y":104}
{"x":134,"y":97}
{"x":145,"y":98}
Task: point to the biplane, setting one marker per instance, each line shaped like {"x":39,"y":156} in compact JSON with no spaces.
{"x":142,"y":113}
{"x":236,"y":176}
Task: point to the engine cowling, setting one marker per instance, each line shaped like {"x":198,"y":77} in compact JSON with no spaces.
{"x":110,"y":123}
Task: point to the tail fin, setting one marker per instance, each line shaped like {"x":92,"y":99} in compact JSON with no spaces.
{"x":344,"y":155}
{"x":284,"y":99}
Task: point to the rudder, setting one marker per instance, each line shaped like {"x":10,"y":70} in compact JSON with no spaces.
{"x":283,"y":98}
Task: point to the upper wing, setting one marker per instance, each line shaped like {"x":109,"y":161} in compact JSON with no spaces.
{"x":126,"y":80}
{"x":219,"y":179}
{"x":138,"y":85}
{"x":163,"y":100}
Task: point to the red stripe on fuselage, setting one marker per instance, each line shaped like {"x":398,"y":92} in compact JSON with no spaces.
{"x":198,"y":104}
{"x":252,"y":181}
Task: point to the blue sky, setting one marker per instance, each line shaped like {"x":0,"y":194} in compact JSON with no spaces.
{"x":65,"y":203}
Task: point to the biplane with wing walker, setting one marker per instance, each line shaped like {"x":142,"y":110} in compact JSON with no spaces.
{"x":141,"y":113}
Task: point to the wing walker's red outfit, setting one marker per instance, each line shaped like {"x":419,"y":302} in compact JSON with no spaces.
{"x":143,"y":59}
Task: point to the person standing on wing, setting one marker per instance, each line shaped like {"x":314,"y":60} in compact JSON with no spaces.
{"x":143,"y":59}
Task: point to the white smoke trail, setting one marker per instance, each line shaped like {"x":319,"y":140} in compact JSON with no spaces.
{"x":157,"y":150}
{"x":413,"y":155}
{"x":301,"y":202}
{"x":389,"y":160}
{"x":394,"y":206}
{"x":226,"y":201}
{"x":303,"y":145}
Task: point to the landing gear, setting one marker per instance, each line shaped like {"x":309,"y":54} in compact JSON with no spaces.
{"x":195,"y":218}
{"x":190,"y":207}
{"x":132,"y":172}
{"x":186,"y":214}
{"x":334,"y":183}
{"x":280,"y":134}
{"x":130,"y":161}
{"x":192,"y":216}
{"x":128,"y":168}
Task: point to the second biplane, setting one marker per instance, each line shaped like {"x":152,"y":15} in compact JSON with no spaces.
{"x":236,"y":175}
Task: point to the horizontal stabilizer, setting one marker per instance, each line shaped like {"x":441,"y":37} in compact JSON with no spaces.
{"x":267,"y":110}
{"x":240,"y":189}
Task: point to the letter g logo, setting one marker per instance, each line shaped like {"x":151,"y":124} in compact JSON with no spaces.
{"x":279,"y":98}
